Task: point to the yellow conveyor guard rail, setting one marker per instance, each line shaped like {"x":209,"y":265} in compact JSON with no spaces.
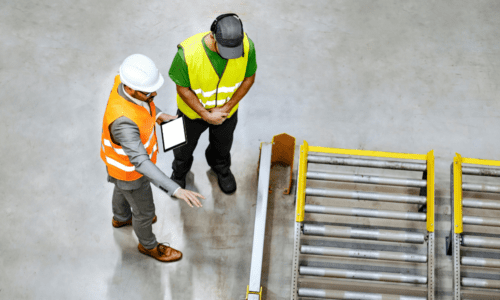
{"x":458,"y":160}
{"x":304,"y":152}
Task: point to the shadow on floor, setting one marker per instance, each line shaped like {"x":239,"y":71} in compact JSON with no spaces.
{"x":136,"y":276}
{"x":218,"y":244}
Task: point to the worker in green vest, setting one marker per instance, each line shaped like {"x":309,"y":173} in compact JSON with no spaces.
{"x":213,"y":71}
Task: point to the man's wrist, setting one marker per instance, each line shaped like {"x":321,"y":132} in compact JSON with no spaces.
{"x":204,"y":114}
{"x":158,"y":119}
{"x":227,"y":108}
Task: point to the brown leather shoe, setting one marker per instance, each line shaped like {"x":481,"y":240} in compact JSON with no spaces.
{"x":162,"y":253}
{"x":118,"y":224}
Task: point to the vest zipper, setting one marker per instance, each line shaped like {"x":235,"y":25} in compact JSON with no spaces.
{"x":220,"y":78}
{"x":217,"y":91}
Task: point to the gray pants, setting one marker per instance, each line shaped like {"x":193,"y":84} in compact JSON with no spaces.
{"x":142,"y":212}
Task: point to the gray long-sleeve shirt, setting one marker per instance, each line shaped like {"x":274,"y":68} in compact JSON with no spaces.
{"x":126,"y":133}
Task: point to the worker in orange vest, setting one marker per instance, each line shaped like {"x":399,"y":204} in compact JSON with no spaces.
{"x":129,"y":149}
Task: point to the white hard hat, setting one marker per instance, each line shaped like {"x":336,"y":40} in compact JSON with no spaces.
{"x":139,"y":72}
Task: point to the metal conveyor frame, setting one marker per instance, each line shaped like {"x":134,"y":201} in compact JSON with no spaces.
{"x":478,"y":288}
{"x":426,"y":198}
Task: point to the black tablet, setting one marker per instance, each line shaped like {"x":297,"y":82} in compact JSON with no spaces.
{"x":173,"y":134}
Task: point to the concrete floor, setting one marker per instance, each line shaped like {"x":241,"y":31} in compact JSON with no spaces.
{"x":399,"y":76}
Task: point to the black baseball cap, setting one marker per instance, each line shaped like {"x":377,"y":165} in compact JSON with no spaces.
{"x":228,"y":32}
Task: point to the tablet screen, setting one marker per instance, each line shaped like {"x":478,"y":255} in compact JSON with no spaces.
{"x":173,"y":134}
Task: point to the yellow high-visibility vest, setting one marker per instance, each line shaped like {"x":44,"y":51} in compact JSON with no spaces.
{"x":211,"y":90}
{"x":118,"y":163}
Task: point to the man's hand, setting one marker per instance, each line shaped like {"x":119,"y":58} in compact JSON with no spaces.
{"x":189,"y":196}
{"x":221,"y":109}
{"x":163,"y":117}
{"x":216,"y":116}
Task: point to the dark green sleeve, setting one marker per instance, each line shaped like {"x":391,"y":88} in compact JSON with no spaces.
{"x":178,"y":70}
{"x":252,"y":60}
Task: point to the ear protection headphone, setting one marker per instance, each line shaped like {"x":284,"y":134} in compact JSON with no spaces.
{"x":213,"y":28}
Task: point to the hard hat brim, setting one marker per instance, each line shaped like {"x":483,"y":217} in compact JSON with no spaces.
{"x":150,"y":89}
{"x":156,"y":86}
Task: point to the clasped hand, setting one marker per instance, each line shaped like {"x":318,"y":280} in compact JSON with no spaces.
{"x":216,"y":116}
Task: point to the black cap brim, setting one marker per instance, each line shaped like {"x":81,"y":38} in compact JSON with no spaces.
{"x":230,"y":52}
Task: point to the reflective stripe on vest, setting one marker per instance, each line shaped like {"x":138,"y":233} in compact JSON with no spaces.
{"x":117,"y":162}
{"x":120,"y":150}
{"x":211,"y":90}
{"x":123,"y":167}
{"x":221,"y":102}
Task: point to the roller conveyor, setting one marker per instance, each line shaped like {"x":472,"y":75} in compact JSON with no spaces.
{"x":480,"y":171}
{"x":365,"y":196}
{"x":480,"y":241}
{"x":363,"y":212}
{"x":368,"y":234}
{"x":480,"y":262}
{"x":474,"y":220}
{"x":331,"y":294}
{"x":355,"y":162}
{"x":481,"y":283}
{"x":379,"y":276}
{"x":382,"y":255}
{"x":333,"y":254}
{"x":480,"y":187}
{"x":479,"y":203}
{"x":367,"y":179}
{"x":481,"y":236}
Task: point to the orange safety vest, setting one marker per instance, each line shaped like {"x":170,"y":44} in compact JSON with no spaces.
{"x":114,"y":157}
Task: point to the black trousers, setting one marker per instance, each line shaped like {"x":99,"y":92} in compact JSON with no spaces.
{"x":217,"y":152}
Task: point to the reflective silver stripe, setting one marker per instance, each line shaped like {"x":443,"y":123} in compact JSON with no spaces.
{"x":223,"y":89}
{"x":119,"y":165}
{"x":120,"y":150}
{"x":124,"y":167}
{"x":213,"y":102}
{"x":117,"y":150}
{"x":203,"y":93}
{"x":154,"y":149}
{"x":149,"y":141}
{"x":230,"y":89}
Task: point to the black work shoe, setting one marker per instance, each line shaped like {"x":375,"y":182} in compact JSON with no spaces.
{"x":180,"y":180}
{"x":226,"y":181}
